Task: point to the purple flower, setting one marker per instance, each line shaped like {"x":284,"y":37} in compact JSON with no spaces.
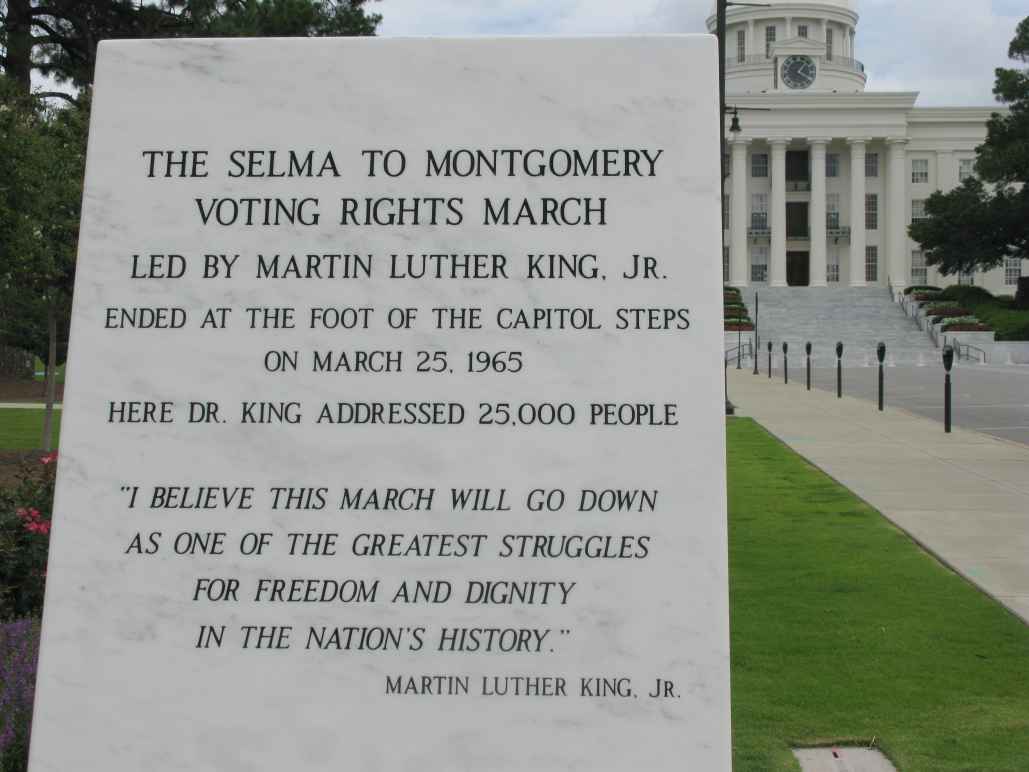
{"x":19,"y":652}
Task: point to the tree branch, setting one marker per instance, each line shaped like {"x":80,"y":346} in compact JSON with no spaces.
{"x":59,"y":95}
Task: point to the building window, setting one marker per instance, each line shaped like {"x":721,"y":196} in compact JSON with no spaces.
{"x":966,"y":169}
{"x":741,"y":46}
{"x":1012,"y":270}
{"x":832,"y":211}
{"x":966,"y":278}
{"x":828,"y":43}
{"x":725,"y":213}
{"x":918,"y":270}
{"x":872,"y":264}
{"x":920,"y":170}
{"x":832,"y":164}
{"x":832,"y":268}
{"x":871,"y":211}
{"x":759,"y":264}
{"x":759,"y":165}
{"x":759,"y":211}
{"x":725,"y":265}
{"x":769,"y":40}
{"x":918,"y":210}
{"x":871,"y":164}
{"x":802,"y":31}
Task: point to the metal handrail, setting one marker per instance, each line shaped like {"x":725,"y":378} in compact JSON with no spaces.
{"x":964,"y":350}
{"x":746,"y":350}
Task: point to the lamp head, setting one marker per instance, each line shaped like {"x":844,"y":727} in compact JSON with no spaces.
{"x":734,"y":127}
{"x":839,"y":349}
{"x":769,"y":347}
{"x":948,"y":357}
{"x":807,"y":348}
{"x":785,"y":346}
{"x":880,"y":351}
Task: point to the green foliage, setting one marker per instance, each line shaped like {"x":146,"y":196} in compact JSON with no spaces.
{"x":1000,"y":314}
{"x":920,"y":288}
{"x":274,"y":18}
{"x":59,"y":38}
{"x":42,"y":157}
{"x":974,"y":226}
{"x":25,"y":512}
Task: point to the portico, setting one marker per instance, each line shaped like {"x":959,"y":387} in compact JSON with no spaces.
{"x":825,"y":177}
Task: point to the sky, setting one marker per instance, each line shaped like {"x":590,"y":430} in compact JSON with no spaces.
{"x":945,"y":49}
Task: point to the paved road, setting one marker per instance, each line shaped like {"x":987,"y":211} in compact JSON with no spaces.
{"x":989,"y":399}
{"x":964,"y":496}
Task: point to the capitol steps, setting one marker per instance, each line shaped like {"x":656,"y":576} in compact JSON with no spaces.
{"x":860,"y":317}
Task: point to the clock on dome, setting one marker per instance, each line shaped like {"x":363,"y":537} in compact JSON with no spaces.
{"x":798,"y":71}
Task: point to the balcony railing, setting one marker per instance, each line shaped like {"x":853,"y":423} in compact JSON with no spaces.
{"x":844,"y":62}
{"x":798,"y":186}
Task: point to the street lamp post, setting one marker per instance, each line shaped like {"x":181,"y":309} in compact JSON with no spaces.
{"x":722,"y":6}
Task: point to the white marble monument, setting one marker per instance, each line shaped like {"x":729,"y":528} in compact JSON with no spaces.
{"x":393,"y":436}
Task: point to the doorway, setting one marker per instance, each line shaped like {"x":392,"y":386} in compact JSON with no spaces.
{"x":798,"y":269}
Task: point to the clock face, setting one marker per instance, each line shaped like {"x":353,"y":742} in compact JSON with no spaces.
{"x":798,"y":71}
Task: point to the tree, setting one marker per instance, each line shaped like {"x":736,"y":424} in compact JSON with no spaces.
{"x":979,"y":225}
{"x":42,"y":158}
{"x":59,"y":38}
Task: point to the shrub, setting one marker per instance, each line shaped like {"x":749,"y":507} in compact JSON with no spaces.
{"x":964,"y":324}
{"x":944,"y":311}
{"x":921,"y":288}
{"x":967,"y":327}
{"x":1000,"y":314}
{"x":738,"y":326}
{"x":25,"y":513}
{"x":19,"y":653}
{"x":966,"y":294}
{"x":922,"y":297}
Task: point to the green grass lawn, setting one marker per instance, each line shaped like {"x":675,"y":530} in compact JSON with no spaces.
{"x":22,"y":429}
{"x":844,"y":630}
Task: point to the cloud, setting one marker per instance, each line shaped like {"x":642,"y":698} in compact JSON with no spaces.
{"x":945,"y":49}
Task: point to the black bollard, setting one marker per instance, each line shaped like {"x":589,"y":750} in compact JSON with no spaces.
{"x":807,"y":349}
{"x":948,"y":362}
{"x":880,"y":351}
{"x":839,"y":369}
{"x":785,"y":363}
{"x":757,"y":338}
{"x":769,"y":359}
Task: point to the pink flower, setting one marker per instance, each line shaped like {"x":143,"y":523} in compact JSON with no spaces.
{"x":49,"y":458}
{"x":42,"y":527}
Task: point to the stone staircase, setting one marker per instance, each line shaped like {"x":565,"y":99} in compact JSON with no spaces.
{"x":860,"y":317}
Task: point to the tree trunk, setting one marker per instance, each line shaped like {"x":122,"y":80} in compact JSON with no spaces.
{"x":51,"y":376}
{"x":19,"y":43}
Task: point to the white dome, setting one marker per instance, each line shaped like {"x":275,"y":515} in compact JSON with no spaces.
{"x":849,"y":5}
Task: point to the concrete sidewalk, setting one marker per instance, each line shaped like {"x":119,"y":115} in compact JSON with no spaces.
{"x":27,"y":406}
{"x":963,"y":496}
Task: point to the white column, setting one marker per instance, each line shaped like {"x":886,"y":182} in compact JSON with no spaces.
{"x":897,"y":207}
{"x":739,"y":257}
{"x":857,"y":212}
{"x":751,"y":43}
{"x":817,"y":218}
{"x":777,"y":256}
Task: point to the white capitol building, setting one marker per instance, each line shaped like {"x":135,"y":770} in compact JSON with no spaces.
{"x":823,"y":185}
